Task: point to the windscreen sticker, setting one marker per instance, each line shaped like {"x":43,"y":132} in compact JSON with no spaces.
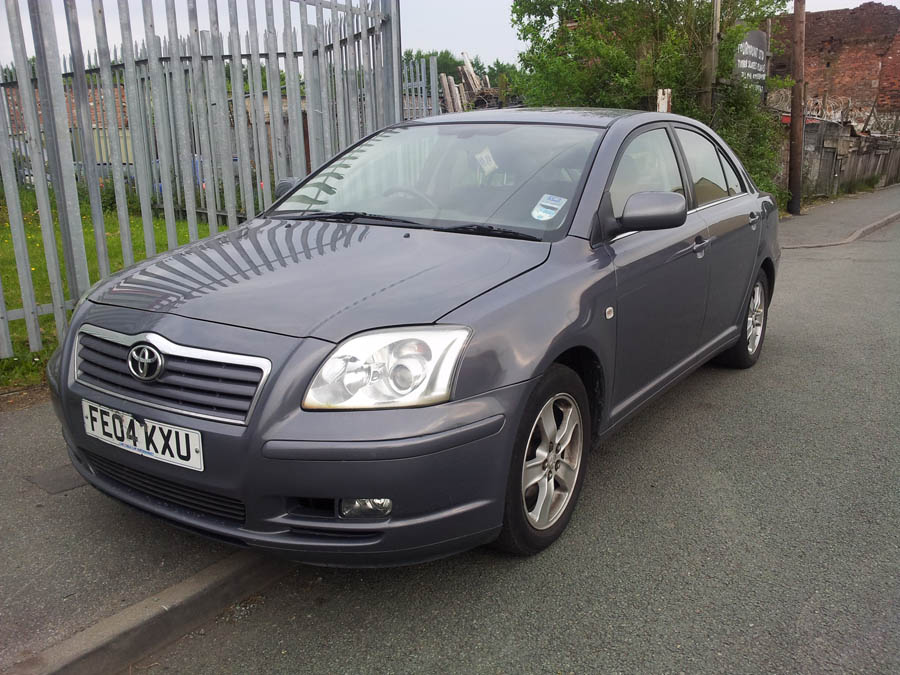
{"x":547,"y":207}
{"x":486,"y":160}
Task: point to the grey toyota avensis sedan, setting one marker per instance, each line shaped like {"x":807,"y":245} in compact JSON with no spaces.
{"x":414,"y":350}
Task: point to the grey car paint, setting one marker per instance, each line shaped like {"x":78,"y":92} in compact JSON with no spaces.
{"x":631,"y":312}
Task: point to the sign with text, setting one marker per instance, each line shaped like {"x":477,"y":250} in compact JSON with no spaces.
{"x":750,"y":59}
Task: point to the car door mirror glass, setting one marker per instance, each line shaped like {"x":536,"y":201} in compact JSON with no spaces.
{"x":653,"y":211}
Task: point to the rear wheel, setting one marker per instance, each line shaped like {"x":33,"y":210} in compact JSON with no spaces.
{"x":547,"y":468}
{"x":746,"y":351}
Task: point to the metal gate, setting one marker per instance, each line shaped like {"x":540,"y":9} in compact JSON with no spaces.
{"x":112,"y":153}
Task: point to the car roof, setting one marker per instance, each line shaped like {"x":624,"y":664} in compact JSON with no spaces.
{"x":593,"y":117}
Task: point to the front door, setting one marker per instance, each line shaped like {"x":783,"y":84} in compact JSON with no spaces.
{"x":661,"y":276}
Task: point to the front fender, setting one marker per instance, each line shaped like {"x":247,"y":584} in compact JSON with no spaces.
{"x":524,"y":325}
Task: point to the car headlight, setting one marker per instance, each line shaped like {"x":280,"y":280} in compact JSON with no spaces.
{"x":389,"y":368}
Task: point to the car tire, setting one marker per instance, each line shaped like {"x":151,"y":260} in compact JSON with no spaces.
{"x":755,"y":318}
{"x":546,"y":476}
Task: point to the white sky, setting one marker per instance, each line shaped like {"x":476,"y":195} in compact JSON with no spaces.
{"x":479,"y":27}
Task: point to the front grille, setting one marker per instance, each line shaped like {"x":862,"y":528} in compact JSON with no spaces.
{"x":203,"y":387}
{"x":200,"y":501}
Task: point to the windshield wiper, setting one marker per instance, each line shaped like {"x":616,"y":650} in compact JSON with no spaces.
{"x":492,"y":231}
{"x":343,"y":217}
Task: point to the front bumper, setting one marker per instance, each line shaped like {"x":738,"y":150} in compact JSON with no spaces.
{"x":279,"y":478}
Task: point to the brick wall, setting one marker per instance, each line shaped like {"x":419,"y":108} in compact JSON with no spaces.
{"x":849,"y":52}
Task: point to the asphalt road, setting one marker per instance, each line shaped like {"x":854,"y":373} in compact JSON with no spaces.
{"x":744,"y":522}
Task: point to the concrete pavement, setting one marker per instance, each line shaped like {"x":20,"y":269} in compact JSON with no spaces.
{"x":836,"y":220}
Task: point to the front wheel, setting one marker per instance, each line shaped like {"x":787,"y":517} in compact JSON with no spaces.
{"x":746,"y":351}
{"x":547,"y":468}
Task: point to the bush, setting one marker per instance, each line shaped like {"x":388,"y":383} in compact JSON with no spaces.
{"x":617,"y":53}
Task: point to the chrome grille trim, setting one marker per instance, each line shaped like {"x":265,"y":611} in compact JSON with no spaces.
{"x":169,"y":348}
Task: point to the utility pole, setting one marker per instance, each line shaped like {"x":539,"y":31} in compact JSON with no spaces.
{"x":798,"y":112}
{"x":712,"y":58}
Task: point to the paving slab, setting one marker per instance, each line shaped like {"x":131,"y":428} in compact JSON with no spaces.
{"x":70,"y":556}
{"x":835,"y":220}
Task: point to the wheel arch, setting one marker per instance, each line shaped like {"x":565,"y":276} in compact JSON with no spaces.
{"x":769,"y":268}
{"x":586,"y":364}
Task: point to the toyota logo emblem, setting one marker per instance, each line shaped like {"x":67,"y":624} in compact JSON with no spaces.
{"x":145,"y":362}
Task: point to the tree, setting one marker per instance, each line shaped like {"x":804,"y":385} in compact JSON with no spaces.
{"x":447,"y":61}
{"x":498,"y":68}
{"x":617,"y":53}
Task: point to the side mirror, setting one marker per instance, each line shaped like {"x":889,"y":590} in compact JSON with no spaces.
{"x":653,"y":211}
{"x":284,"y":186}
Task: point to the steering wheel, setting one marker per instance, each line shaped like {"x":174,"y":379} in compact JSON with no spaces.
{"x":415,"y":193}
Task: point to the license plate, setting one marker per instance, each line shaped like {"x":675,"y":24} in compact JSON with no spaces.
{"x":167,"y":443}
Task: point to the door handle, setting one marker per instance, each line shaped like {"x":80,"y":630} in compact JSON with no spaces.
{"x":700,"y":245}
{"x":754,"y":219}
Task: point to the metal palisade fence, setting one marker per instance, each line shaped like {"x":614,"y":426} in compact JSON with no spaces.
{"x":114,"y":152}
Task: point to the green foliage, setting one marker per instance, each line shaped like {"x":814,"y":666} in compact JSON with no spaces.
{"x":579,"y":67}
{"x":508,"y":70}
{"x":447,"y":61}
{"x":866,"y":184}
{"x":754,"y":133}
{"x":617,"y":53}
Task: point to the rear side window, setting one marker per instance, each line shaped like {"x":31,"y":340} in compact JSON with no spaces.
{"x":706,"y":170}
{"x":647,"y":165}
{"x":731,"y":177}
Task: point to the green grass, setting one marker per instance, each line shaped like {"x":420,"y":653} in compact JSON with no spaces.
{"x":26,"y":368}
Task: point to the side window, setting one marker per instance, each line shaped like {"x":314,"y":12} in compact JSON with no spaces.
{"x":706,"y":170}
{"x":731,"y":177}
{"x":647,"y":165}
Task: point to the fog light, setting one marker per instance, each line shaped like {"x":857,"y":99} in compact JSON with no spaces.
{"x":365,"y":508}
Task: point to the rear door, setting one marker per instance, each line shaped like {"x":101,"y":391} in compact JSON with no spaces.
{"x":661,"y":276}
{"x":731,"y":211}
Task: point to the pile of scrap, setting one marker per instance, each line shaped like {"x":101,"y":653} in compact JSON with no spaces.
{"x":471,"y":92}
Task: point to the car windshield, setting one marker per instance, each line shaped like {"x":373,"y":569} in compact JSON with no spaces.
{"x":521,"y":177}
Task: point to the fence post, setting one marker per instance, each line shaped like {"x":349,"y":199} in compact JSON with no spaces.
{"x":295,"y":106}
{"x":239,"y":106}
{"x":435,"y":99}
{"x":182,"y":125}
{"x":392,"y":62}
{"x":368,"y":83}
{"x":339,"y":74}
{"x":39,"y":176}
{"x":112,"y":114}
{"x":199,"y":106}
{"x":140,"y":142}
{"x":161,"y":124}
{"x":223,"y":125}
{"x":48,"y":66}
{"x":263,"y":170}
{"x":273,"y":85}
{"x":20,"y":248}
{"x":86,"y":126}
{"x":352,"y":69}
{"x":310,"y":79}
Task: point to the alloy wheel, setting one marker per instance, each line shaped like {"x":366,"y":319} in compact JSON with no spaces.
{"x":756,"y":315}
{"x":552,"y":461}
